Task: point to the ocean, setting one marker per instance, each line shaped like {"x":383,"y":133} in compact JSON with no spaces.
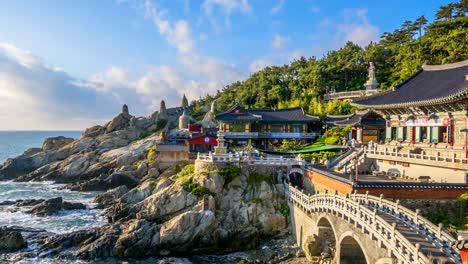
{"x":14,"y":143}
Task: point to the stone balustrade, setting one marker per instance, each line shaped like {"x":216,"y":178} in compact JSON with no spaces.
{"x":439,"y":159}
{"x":365,"y":211}
{"x":267,"y":161}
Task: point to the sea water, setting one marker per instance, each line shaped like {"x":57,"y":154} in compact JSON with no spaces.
{"x":14,"y":143}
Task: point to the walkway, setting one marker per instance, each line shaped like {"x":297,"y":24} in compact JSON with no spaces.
{"x":408,"y":236}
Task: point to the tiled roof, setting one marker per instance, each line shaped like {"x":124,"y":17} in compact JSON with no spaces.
{"x":431,"y":85}
{"x":367,"y":118}
{"x":331,"y":119}
{"x":238,"y":113}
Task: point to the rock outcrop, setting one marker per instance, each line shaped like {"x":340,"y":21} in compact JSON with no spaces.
{"x":53,"y":206}
{"x":11,"y":241}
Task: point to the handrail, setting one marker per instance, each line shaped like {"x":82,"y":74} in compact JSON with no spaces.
{"x":340,"y":158}
{"x":421,"y":156}
{"x":387,"y":234}
{"x":436,"y":234}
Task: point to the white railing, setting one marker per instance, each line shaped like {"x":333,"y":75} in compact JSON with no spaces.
{"x":230,"y":158}
{"x":348,"y":159}
{"x":358,"y":210}
{"x":340,"y":158}
{"x":438,"y":235}
{"x":421,"y":157}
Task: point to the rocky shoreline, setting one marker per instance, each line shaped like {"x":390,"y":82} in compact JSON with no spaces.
{"x":154,"y":209}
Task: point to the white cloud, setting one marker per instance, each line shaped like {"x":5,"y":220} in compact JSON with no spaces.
{"x":227,"y":5}
{"x":277,"y":7}
{"x":259,"y":64}
{"x":36,"y":96}
{"x":357,"y":28}
{"x":213,"y":73}
{"x":279,"y":42}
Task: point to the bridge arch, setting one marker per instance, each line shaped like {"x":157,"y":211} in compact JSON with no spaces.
{"x":350,"y":250}
{"x":296,"y":176}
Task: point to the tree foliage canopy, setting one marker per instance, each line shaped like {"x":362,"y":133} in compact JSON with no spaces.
{"x":397,"y":55}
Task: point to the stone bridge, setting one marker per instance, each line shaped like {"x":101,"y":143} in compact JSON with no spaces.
{"x":367,"y":229}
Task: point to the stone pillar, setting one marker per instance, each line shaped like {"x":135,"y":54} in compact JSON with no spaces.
{"x":359,"y":134}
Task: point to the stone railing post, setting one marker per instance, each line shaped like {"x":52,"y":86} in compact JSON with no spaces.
{"x":394,"y":226}
{"x":397,"y":205}
{"x":417,"y":247}
{"x":380,"y":200}
{"x":439,"y":230}
{"x":367,"y":196}
{"x":416,"y":217}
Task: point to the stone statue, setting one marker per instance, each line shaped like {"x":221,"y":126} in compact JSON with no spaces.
{"x":371,"y":83}
{"x":371,"y":71}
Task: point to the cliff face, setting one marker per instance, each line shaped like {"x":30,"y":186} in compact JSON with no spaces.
{"x":164,"y":216}
{"x":153,"y":210}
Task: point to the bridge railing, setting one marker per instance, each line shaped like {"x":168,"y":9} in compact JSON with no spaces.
{"x":354,"y":209}
{"x":436,"y":234}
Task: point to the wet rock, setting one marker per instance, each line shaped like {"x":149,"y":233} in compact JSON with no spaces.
{"x":11,"y":241}
{"x":53,"y":206}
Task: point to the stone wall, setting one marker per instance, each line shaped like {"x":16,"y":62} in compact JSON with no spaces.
{"x":321,"y":183}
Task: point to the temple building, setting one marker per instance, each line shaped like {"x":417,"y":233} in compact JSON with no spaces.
{"x":426,"y":124}
{"x":365,"y":125}
{"x":266,"y":128}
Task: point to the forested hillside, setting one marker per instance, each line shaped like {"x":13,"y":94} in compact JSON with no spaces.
{"x":397,"y":55}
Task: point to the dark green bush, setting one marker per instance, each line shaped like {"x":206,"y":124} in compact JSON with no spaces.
{"x":229,"y":173}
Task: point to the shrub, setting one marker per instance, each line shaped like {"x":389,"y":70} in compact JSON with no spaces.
{"x":151,"y":154}
{"x":195,"y":188}
{"x":229,"y":173}
{"x":187,"y":171}
{"x":285,"y":210}
{"x":152,"y":185}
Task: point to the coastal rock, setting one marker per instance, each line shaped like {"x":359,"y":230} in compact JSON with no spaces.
{"x":104,"y":182}
{"x":11,"y":241}
{"x":53,"y":206}
{"x":54,"y":143}
{"x":110,"y":197}
{"x":94,"y":131}
{"x":189,"y":231}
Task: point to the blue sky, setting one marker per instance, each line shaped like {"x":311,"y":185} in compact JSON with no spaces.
{"x":71,"y":64}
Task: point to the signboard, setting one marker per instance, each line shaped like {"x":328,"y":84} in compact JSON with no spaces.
{"x":429,"y":122}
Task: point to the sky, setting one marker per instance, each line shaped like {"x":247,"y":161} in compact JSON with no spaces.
{"x":68,"y":65}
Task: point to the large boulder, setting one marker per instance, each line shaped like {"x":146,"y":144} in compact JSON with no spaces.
{"x":54,"y":143}
{"x":11,"y":241}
